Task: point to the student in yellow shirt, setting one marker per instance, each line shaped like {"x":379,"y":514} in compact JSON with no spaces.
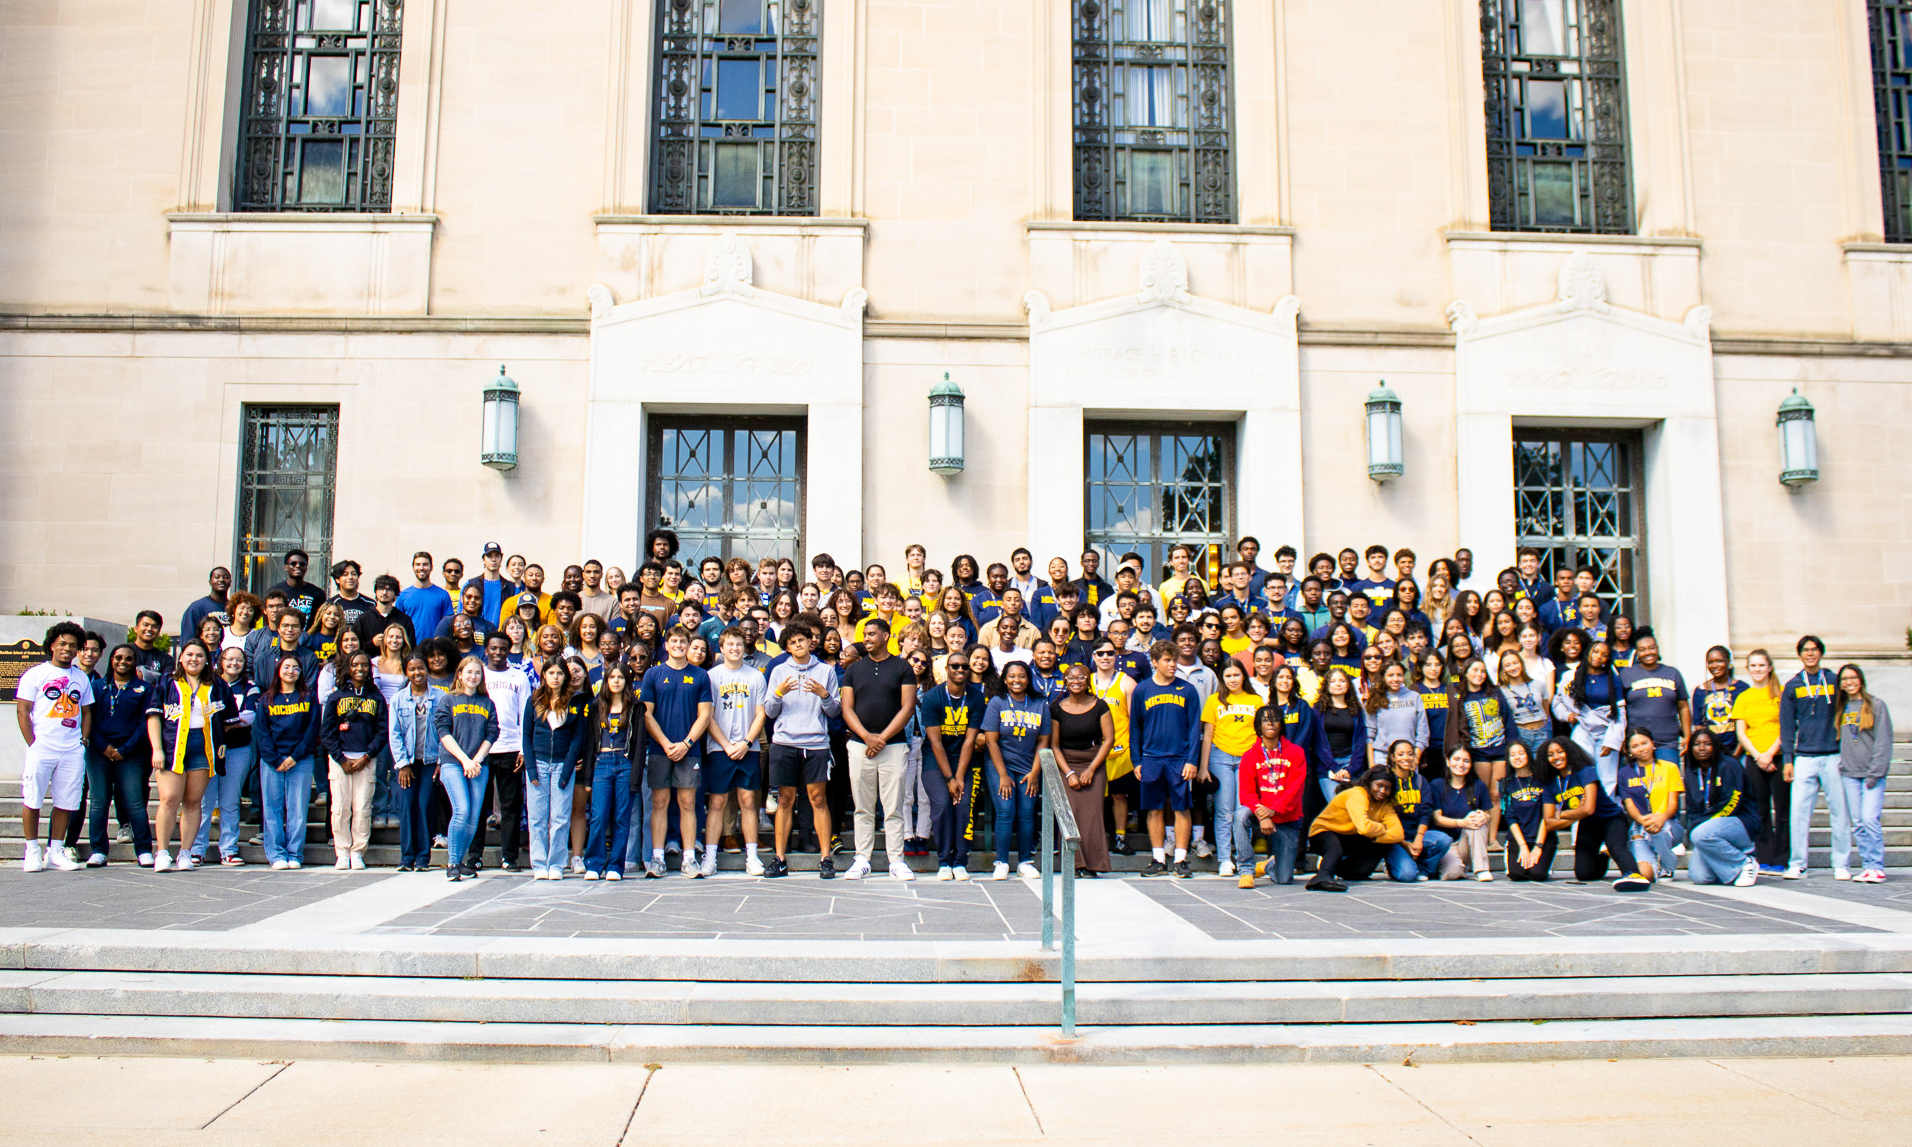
{"x":1756,"y":722}
{"x":1179,"y":558}
{"x":533,"y":592}
{"x":1228,"y":729}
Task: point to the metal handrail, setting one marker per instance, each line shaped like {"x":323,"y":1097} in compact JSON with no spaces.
{"x":1057,"y":815}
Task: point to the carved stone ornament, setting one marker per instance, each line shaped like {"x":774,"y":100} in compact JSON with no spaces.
{"x":601,"y":300}
{"x":854,"y":301}
{"x":1699,"y":324}
{"x":727,"y":269}
{"x":1164,"y":275}
{"x":1461,"y":317}
{"x":1582,"y":286}
{"x":1288,"y":310}
{"x":1037,"y":304}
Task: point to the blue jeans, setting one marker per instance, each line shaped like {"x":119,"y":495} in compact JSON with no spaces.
{"x":1811,"y":776}
{"x":548,"y":813}
{"x":1330,"y":786}
{"x":1720,"y":851}
{"x":1019,"y":809}
{"x":126,"y":783}
{"x":1405,"y":867}
{"x":467,"y":796}
{"x":286,"y":795}
{"x":610,"y":814}
{"x":415,"y":817}
{"x":1658,"y":848}
{"x":1865,"y":805}
{"x":385,"y":794}
{"x":1229,"y":845}
{"x":223,"y":792}
{"x":1283,"y":847}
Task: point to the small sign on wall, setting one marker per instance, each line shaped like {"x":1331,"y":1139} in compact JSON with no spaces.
{"x":16,"y":657}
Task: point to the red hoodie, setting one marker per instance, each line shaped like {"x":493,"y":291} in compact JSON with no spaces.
{"x":1274,"y":782}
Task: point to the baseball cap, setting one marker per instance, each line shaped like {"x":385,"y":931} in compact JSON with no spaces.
{"x":494,"y":548}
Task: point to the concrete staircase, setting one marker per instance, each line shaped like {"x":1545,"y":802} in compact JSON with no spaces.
{"x":384,"y":850}
{"x":404,"y":997}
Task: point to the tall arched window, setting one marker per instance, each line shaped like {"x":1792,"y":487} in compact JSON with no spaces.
{"x":1152,"y":115}
{"x":1556,"y":116}
{"x":736,"y":107}
{"x":1891,"y":25}
{"x":321,"y":106}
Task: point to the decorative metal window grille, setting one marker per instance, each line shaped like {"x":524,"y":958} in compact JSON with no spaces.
{"x":1152,"y":115}
{"x":1576,"y":500}
{"x":1556,"y":116}
{"x":737,"y":107}
{"x":287,"y":463}
{"x":1891,"y":23}
{"x":1152,"y":485}
{"x":730,"y":487}
{"x":321,"y":106}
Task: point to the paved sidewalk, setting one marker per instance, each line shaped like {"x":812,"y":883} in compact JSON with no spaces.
{"x":242,"y":1103}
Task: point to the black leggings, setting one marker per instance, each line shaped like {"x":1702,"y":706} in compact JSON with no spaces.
{"x":1595,"y":831}
{"x":1542,"y":869}
{"x":1770,"y":795}
{"x":1348,"y":855}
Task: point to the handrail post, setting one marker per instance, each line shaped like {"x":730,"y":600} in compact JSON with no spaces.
{"x":1058,"y":820}
{"x":1048,"y":860}
{"x":1068,"y":939}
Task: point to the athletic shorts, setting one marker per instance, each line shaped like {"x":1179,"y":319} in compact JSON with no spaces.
{"x":1124,"y":786}
{"x":60,"y":772}
{"x":1161,"y":784}
{"x":723,"y":775}
{"x":664,"y":773}
{"x":791,"y":767}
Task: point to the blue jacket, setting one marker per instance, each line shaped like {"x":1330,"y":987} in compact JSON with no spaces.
{"x":401,"y":735}
{"x":119,"y":716}
{"x":564,"y":744}
{"x":1303,"y":727}
{"x":1809,"y":714}
{"x":287,"y":726}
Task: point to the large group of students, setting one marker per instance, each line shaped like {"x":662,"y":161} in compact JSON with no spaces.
{"x":1350,"y":712}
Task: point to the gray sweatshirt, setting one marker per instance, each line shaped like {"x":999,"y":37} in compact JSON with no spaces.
{"x":802,"y":717}
{"x":1403,"y":718}
{"x":1865,"y":753}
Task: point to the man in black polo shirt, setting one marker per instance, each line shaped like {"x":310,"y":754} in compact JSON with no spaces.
{"x":879,"y":694}
{"x":300,"y":594}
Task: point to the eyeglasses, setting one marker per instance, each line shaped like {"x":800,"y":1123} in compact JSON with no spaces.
{"x":1105,"y":653}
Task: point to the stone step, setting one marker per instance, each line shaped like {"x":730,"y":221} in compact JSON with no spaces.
{"x":1440,"y":964}
{"x":1521,"y":1041}
{"x":658,"y":1002}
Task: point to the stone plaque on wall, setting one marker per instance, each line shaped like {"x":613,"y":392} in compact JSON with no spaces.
{"x":16,"y":657}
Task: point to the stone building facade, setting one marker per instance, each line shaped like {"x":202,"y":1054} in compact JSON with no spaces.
{"x":1165,"y":247}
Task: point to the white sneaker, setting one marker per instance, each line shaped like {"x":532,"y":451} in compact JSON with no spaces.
{"x":1794,"y":872}
{"x":1028,"y":871}
{"x":709,"y":867}
{"x":1842,"y":874}
{"x":295,"y":865}
{"x":358,"y":860}
{"x":900,"y":871}
{"x":1226,"y":868}
{"x":145,"y":860}
{"x":753,"y":867}
{"x":613,"y":874}
{"x":279,"y":866}
{"x":1748,"y":876}
{"x":859,"y":868}
{"x":589,"y":875}
{"x":577,"y":864}
{"x":945,"y":873}
{"x":97,"y":860}
{"x":690,"y":867}
{"x":162,"y":862}
{"x":959,"y":873}
{"x":1484,"y":875}
{"x":61,"y":859}
{"x":34,"y":859}
{"x":1000,"y":872}
{"x":344,"y":862}
{"x":1203,"y":850}
{"x":770,"y":804}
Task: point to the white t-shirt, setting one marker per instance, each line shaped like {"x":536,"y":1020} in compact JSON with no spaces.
{"x":1003,"y":657}
{"x":58,"y":696}
{"x":509,"y":691}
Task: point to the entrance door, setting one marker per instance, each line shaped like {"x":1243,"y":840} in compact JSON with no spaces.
{"x":1151,"y":485}
{"x":288,"y":457}
{"x":1577,"y":501}
{"x":730,"y":487}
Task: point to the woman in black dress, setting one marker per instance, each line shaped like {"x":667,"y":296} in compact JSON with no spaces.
{"x":1082,"y":731}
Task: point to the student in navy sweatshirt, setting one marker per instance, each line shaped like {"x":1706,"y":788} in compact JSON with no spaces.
{"x":466,"y":724}
{"x":285,"y":738}
{"x":1809,"y":708}
{"x":1165,"y":735}
{"x":1724,"y":822}
{"x":353,"y":731}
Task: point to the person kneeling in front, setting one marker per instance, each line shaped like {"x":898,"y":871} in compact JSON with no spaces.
{"x":1353,"y":834}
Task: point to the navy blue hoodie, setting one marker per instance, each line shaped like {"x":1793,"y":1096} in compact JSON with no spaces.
{"x":1720,"y":790}
{"x":1809,"y":714}
{"x":354,"y":723}
{"x":287,"y":726}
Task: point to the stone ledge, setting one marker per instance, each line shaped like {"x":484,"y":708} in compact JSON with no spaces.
{"x":283,"y":262}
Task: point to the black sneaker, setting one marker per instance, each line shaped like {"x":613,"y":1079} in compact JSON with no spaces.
{"x":1182,"y":870}
{"x":509,"y":866}
{"x":1155,"y":868}
{"x":1121,"y":846}
{"x":837,"y":845}
{"x":826,"y":869}
{"x":776,"y":866}
{"x":1326,"y":884}
{"x":454,"y":872}
{"x":470,"y":869}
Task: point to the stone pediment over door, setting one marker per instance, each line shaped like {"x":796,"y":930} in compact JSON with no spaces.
{"x":724,"y":347}
{"x":1164,"y":352}
{"x":1582,"y":361}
